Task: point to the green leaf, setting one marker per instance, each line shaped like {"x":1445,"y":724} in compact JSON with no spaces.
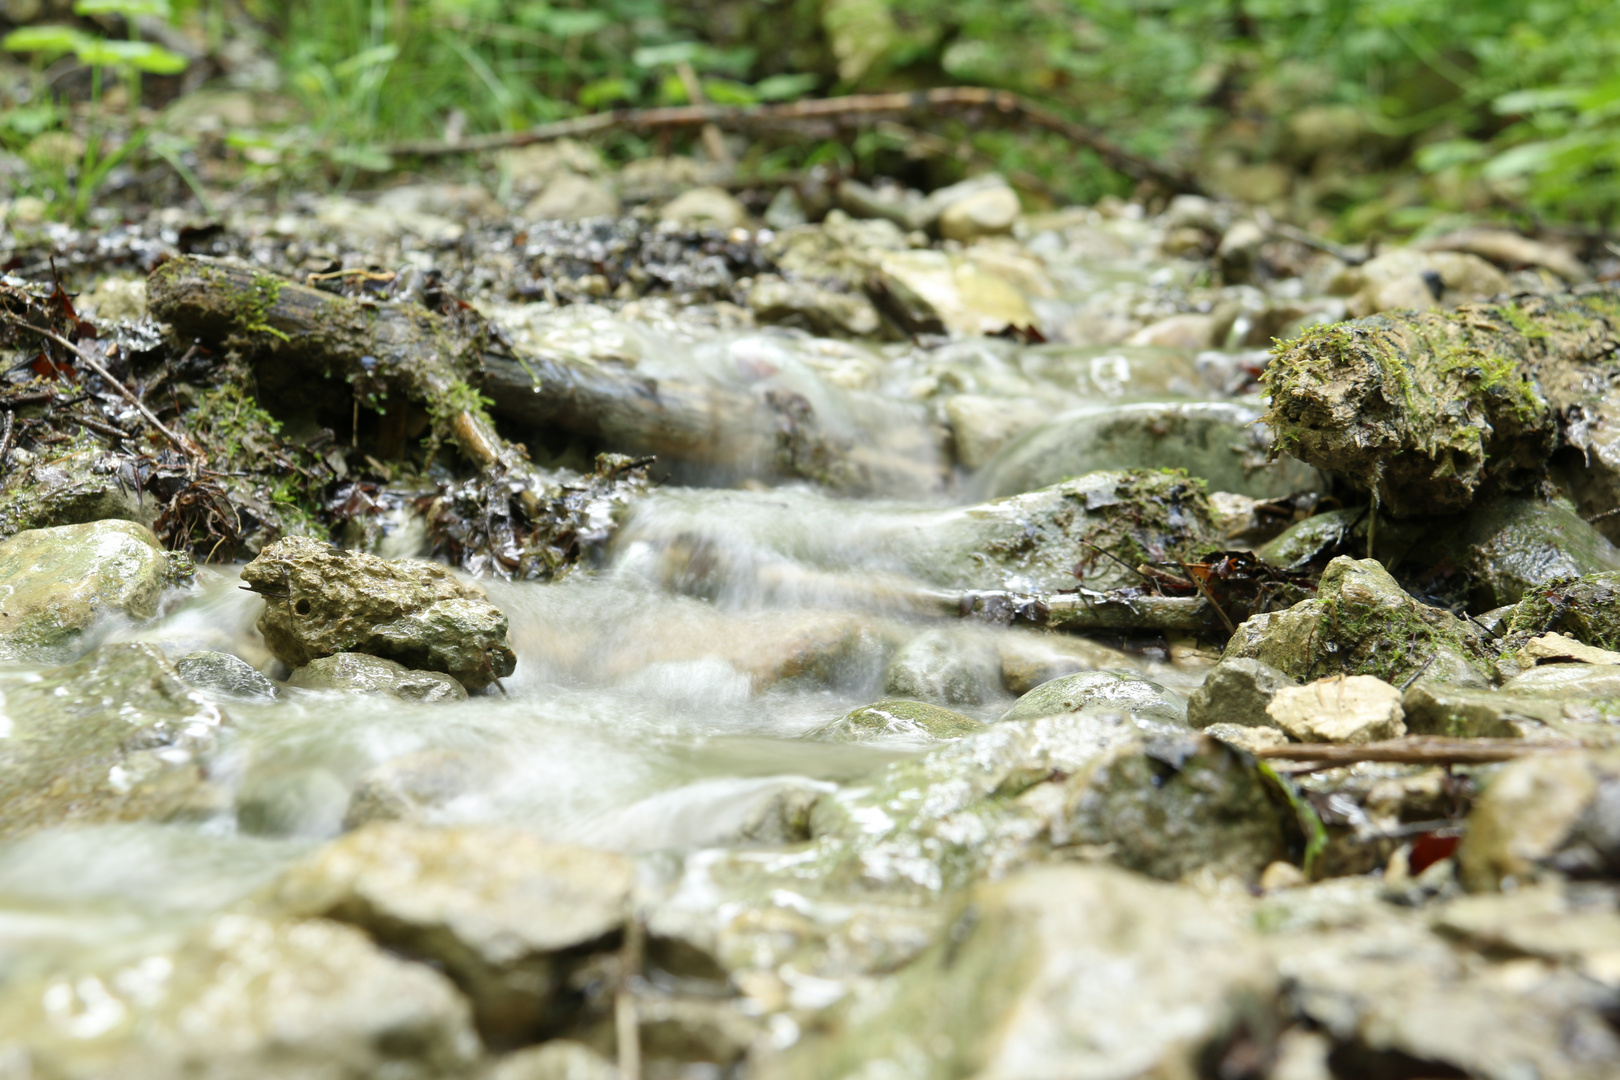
{"x":1440,"y":156}
{"x":129,"y":9}
{"x":653,"y":56}
{"x":376,"y":56}
{"x":1521,"y":160}
{"x":595,"y":95}
{"x":567,"y":24}
{"x":142,"y":55}
{"x":46,"y":39}
{"x":785,"y":87}
{"x":368,"y":158}
{"x":1546,"y":97}
{"x":726,"y":92}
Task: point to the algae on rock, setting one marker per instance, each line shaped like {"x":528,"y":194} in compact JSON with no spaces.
{"x":1428,"y":409}
{"x":1362,"y":622}
{"x":320,"y":601}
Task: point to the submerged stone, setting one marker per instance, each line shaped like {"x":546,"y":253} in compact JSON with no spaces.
{"x":508,"y":917}
{"x":115,"y":736}
{"x":944,"y":669}
{"x":222,"y":673}
{"x":59,"y":583}
{"x":896,"y":719}
{"x":358,"y":673}
{"x":1220,"y":443}
{"x":320,"y":601}
{"x":1362,"y":622}
{"x":243,"y":997}
{"x":1059,"y":971}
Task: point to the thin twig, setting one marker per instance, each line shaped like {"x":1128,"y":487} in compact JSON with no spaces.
{"x":7,"y":427}
{"x":853,"y":108}
{"x":1348,"y":256}
{"x":180,"y":444}
{"x":1203,"y":589}
{"x":1417,"y":751}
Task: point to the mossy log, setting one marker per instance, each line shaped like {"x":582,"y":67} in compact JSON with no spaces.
{"x":300,"y":338}
{"x":1431,"y":409}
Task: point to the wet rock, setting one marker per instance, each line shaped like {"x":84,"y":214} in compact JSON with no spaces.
{"x":1239,"y":252}
{"x":786,"y":210}
{"x":321,"y":601}
{"x":1413,"y":280}
{"x":1078,"y":971}
{"x":1363,"y":623}
{"x":409,"y":787}
{"x":358,"y":673}
{"x":936,"y":290}
{"x":889,"y":202}
{"x":1221,"y":443}
{"x":1509,"y":546}
{"x":898,"y":720}
{"x":244,"y":997}
{"x":508,"y":917}
{"x":1585,"y":608}
{"x":59,"y":583}
{"x":1545,"y":813}
{"x":115,"y":736}
{"x":115,"y":298}
{"x":1430,"y":408}
{"x":1476,"y":713}
{"x":944,"y":669}
{"x":1099,"y":692}
{"x":1397,"y":998}
{"x":812,"y":307}
{"x":1343,"y":709}
{"x":989,"y":191}
{"x":571,"y":197}
{"x":1184,"y":331}
{"x":1237,"y":691}
{"x":1561,"y":648}
{"x":989,"y":212}
{"x":559,"y":1059}
{"x":227,"y":675}
{"x":706,"y":208}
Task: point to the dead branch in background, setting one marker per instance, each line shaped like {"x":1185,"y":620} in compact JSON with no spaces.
{"x":844,"y":111}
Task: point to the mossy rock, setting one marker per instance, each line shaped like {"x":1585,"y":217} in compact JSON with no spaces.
{"x":115,"y":736}
{"x":76,"y":488}
{"x":59,"y":583}
{"x":898,"y":719}
{"x":1584,"y":608}
{"x":1362,"y":622}
{"x":1425,"y":408}
{"x":321,"y":601}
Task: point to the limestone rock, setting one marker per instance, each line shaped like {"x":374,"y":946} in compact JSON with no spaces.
{"x":58,"y":583}
{"x":230,"y":676}
{"x":244,"y":997}
{"x":982,"y":425}
{"x":507,"y":916}
{"x":1099,"y":691}
{"x":989,"y":212}
{"x":321,"y":601}
{"x":1236,"y":691}
{"x":1185,"y":331}
{"x":115,"y":736}
{"x":1341,"y":709}
{"x":358,"y":673}
{"x":409,"y":787}
{"x":1362,"y":622}
{"x":1562,"y":647}
{"x":1407,"y":279}
{"x":1541,"y":813}
{"x":942,"y":291}
{"x":571,"y":197}
{"x":707,"y":208}
{"x":1510,"y":251}
{"x":898,"y":720}
{"x":1059,"y":971}
{"x":1221,"y":443}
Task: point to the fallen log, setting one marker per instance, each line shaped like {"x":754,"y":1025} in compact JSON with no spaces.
{"x":850,"y":110}
{"x":1429,"y":410}
{"x":299,"y":339}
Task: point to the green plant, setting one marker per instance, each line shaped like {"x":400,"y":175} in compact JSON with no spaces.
{"x":72,"y":184}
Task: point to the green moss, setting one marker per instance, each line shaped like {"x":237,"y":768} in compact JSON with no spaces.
{"x":1518,"y":319}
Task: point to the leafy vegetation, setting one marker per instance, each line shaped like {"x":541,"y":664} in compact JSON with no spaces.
{"x":1357,"y":116}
